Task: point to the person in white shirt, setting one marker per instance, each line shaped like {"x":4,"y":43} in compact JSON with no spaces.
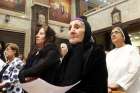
{"x":9,"y":81}
{"x":2,"y":64}
{"x":123,"y":63}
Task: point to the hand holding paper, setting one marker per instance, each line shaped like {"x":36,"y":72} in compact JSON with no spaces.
{"x":41,"y":86}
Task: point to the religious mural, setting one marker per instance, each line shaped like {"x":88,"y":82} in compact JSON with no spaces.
{"x":60,"y":10}
{"x":13,"y":5}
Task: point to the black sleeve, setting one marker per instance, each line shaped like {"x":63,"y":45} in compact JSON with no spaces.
{"x":71,"y":66}
{"x":98,"y":73}
{"x":94,"y":78}
{"x":43,"y":64}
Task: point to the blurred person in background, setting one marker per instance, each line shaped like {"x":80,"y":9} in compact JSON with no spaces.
{"x":63,"y":49}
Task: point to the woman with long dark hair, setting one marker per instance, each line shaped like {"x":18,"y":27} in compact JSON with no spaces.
{"x":43,"y":59}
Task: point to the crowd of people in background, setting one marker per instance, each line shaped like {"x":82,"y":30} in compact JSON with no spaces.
{"x":81,"y":63}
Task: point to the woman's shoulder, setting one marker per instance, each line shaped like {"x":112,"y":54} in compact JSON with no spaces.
{"x":17,"y":61}
{"x":98,"y":48}
{"x":97,"y":51}
{"x":126,"y":48}
{"x":131,"y":48}
{"x":49,"y":47}
{"x":111,"y":51}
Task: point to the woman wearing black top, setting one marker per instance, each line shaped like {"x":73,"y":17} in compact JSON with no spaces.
{"x":44,"y":59}
{"x":84,"y":62}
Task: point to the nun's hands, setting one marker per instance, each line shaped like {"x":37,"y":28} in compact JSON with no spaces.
{"x":109,"y":90}
{"x":113,"y":86}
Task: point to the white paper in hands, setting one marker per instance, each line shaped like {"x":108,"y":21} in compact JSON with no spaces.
{"x":41,"y":86}
{"x":2,"y":64}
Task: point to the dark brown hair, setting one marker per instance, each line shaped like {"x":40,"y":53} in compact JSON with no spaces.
{"x":49,"y":33}
{"x":49,"y":36}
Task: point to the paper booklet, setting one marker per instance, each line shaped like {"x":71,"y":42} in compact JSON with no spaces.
{"x":2,"y":64}
{"x":41,"y":86}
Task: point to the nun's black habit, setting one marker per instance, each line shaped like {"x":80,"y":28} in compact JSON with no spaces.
{"x":85,"y":62}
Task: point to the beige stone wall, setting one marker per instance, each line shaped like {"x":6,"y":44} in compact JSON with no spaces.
{"x":130,"y":10}
{"x":19,"y":22}
{"x":46,"y":2}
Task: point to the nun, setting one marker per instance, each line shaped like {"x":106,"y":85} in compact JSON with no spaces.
{"x":123,"y":63}
{"x":85,"y":61}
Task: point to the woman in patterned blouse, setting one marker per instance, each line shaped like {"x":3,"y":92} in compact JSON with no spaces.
{"x":9,"y":78}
